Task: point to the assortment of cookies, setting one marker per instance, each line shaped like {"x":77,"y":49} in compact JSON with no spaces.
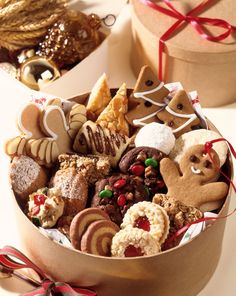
{"x":119,"y":175}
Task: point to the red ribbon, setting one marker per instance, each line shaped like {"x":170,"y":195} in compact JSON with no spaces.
{"x":196,"y":22}
{"x":46,"y":287}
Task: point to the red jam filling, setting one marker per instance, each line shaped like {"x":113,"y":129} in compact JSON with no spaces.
{"x":39,"y":199}
{"x":143,"y":223}
{"x":35,"y":210}
{"x":132,"y":251}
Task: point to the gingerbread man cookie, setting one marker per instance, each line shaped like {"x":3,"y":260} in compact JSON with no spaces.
{"x":27,"y":124}
{"x":193,"y":183}
{"x":147,"y":98}
{"x":179,"y":114}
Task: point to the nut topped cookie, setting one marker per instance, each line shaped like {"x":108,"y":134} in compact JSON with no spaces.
{"x":116,"y":194}
{"x":143,"y":162}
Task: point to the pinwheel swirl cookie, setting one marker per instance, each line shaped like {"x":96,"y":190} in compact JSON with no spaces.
{"x":91,"y":231}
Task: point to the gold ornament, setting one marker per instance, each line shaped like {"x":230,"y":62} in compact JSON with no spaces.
{"x":24,"y":23}
{"x":71,"y":38}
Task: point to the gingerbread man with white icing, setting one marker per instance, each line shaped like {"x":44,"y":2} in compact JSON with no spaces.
{"x":194,"y":182}
{"x":147,"y":98}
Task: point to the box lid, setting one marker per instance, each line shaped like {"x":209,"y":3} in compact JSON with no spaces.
{"x":186,"y":43}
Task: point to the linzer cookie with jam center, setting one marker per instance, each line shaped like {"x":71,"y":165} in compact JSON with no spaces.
{"x":94,"y":139}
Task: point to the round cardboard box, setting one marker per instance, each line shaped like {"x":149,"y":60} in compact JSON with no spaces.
{"x":205,"y":66}
{"x":182,"y":271}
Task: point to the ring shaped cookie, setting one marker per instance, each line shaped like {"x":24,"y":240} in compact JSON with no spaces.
{"x":150,"y":217}
{"x":134,"y":242}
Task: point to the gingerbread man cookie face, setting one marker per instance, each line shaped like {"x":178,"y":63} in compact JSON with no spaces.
{"x":179,"y":114}
{"x":196,"y":164}
{"x":193,"y":183}
{"x":148,"y":97}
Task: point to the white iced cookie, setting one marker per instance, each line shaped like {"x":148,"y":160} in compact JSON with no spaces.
{"x":156,"y":135}
{"x":45,"y":207}
{"x":196,"y":137}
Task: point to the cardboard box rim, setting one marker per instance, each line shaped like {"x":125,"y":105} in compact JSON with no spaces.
{"x":99,"y":279}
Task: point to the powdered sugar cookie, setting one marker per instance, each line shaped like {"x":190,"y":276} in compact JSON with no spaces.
{"x":26,"y":176}
{"x":74,"y":190}
{"x":156,"y":135}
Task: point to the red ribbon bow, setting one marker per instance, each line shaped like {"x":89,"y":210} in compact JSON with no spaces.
{"x":45,"y":287}
{"x":196,"y":21}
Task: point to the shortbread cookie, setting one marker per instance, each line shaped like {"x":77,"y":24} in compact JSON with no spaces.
{"x":179,"y":114}
{"x":97,"y":238}
{"x":99,"y":97}
{"x":149,"y":217}
{"x":134,"y":242}
{"x":28,"y":125}
{"x":193,"y":182}
{"x":200,"y":136}
{"x":113,"y":116}
{"x":92,"y":167}
{"x":156,"y":135}
{"x":26,"y":176}
{"x":147,"y":98}
{"x":94,"y":139}
{"x":74,"y":190}
{"x":45,"y":207}
{"x":143,"y":162}
{"x":117,"y":193}
{"x":81,"y":222}
{"x":179,"y":214}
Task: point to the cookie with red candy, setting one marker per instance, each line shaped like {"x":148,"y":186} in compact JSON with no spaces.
{"x":150,"y":217}
{"x":134,"y":242}
{"x":144,"y":163}
{"x":116,"y":194}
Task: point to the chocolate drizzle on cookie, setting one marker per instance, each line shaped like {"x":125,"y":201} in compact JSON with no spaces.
{"x":93,"y":138}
